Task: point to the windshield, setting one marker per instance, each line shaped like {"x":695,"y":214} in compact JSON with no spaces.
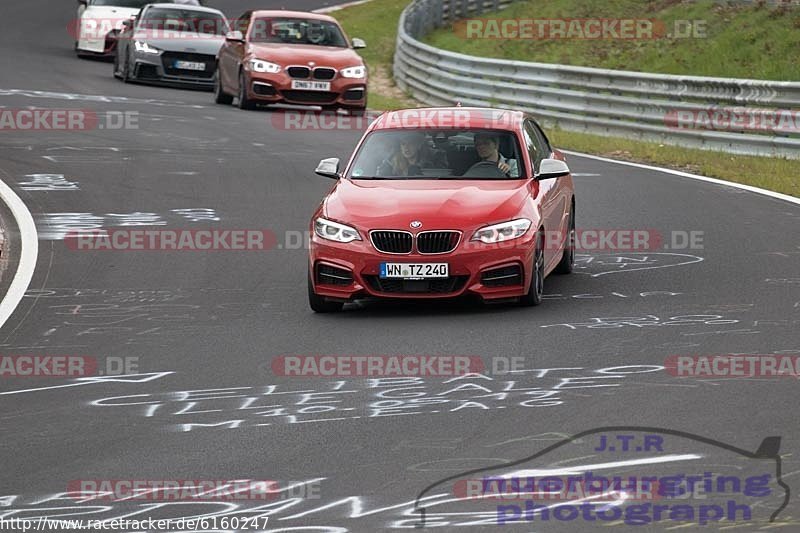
{"x":438,"y":154}
{"x":184,"y":20}
{"x":297,"y":31}
{"x":122,"y":3}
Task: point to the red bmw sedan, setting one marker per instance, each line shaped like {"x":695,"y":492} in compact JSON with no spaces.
{"x":443,"y":202}
{"x":291,"y":57}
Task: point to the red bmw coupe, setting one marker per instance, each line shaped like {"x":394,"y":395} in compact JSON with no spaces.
{"x":442,"y":202}
{"x":291,"y":57}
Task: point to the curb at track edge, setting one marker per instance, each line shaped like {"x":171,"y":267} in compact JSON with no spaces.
{"x":29,"y":252}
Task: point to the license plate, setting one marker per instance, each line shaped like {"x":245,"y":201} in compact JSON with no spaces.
{"x":311,"y":85}
{"x":189,"y":65}
{"x":414,"y":270}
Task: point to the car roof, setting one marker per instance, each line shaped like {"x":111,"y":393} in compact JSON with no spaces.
{"x":292,"y":14}
{"x":186,"y":7}
{"x":450,"y":118}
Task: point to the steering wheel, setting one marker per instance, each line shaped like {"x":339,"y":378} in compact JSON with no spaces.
{"x":484,"y":169}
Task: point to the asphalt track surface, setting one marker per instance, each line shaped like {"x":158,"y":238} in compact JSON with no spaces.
{"x":199,"y":321}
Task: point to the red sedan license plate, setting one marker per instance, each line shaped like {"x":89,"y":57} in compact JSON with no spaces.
{"x":414,"y":270}
{"x":311,"y":85}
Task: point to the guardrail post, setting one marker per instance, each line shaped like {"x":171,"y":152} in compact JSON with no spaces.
{"x":438,"y":13}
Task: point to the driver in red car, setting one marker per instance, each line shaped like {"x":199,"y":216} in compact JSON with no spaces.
{"x":487,"y":146}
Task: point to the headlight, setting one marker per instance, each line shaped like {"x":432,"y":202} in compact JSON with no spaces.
{"x":354,"y":72}
{"x":333,"y":231}
{"x":258,"y":65}
{"x":505,"y":231}
{"x":145,"y":48}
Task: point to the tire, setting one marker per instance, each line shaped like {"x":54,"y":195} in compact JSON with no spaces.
{"x":220,"y":96}
{"x":567,"y":263}
{"x":318,"y":303}
{"x":244,"y":102}
{"x":536,"y":290}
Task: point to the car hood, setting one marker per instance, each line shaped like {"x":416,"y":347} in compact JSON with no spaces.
{"x":301,"y":54}
{"x":109,"y":15}
{"x":439,"y":204}
{"x":199,"y":43}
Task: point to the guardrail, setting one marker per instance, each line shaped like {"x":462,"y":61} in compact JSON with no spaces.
{"x":653,"y":107}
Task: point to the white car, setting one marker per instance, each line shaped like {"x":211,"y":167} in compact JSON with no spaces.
{"x":98,"y":23}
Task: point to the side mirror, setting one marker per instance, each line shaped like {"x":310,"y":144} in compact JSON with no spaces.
{"x":329,"y":168}
{"x":235,"y":36}
{"x":551,"y":168}
{"x":359,"y":43}
{"x":83,"y":2}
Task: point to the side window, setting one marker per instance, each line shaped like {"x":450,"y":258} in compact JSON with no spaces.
{"x":536,"y":149}
{"x":542,"y":139}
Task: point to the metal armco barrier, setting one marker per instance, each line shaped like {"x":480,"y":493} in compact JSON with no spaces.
{"x":652,"y":107}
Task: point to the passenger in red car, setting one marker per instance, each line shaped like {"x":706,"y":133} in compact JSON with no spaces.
{"x":409,"y":157}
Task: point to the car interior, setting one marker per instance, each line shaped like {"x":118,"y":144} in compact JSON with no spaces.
{"x":297,"y":31}
{"x":453,"y":153}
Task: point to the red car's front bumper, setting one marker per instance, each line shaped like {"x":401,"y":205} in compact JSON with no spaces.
{"x":277,"y":88}
{"x":497,"y":271}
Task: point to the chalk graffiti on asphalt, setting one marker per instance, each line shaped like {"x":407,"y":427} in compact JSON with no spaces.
{"x":343,"y":400}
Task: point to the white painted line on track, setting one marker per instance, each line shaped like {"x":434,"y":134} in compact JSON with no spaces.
{"x":750,"y":188}
{"x":95,"y":98}
{"x":29,"y":252}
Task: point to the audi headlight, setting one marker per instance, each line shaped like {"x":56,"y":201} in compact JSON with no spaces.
{"x":333,"y":231}
{"x":258,"y":65}
{"x":354,"y":72}
{"x":145,"y":48}
{"x":505,"y":231}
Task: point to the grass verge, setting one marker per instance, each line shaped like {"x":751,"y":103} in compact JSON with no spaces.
{"x":376,"y":23}
{"x":732,"y":41}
